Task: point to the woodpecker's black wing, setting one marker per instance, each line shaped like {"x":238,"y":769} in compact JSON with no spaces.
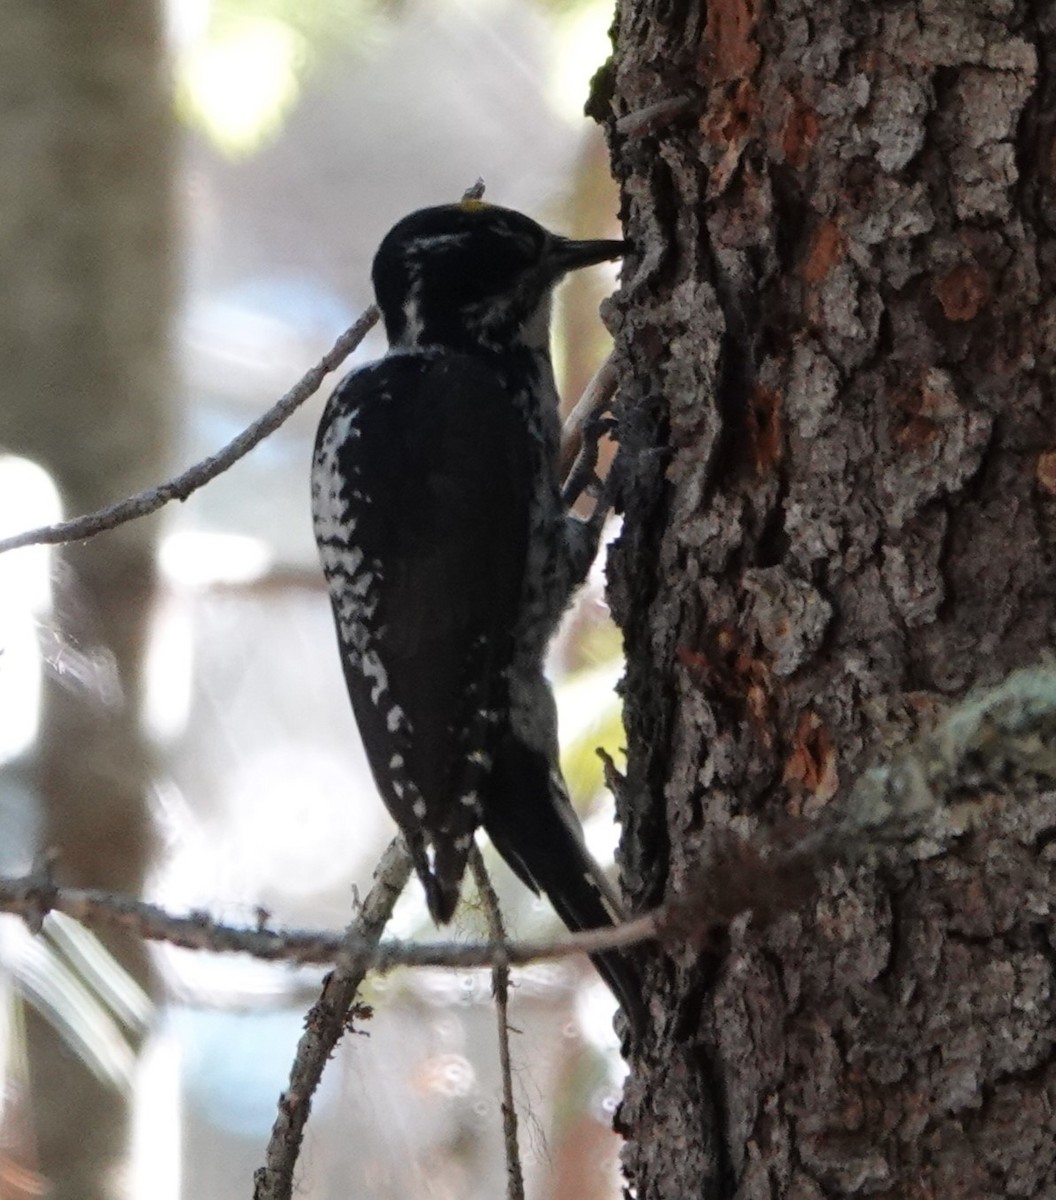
{"x":421,"y":491}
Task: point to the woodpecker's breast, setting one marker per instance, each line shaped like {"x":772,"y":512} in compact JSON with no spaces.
{"x":547,"y":585}
{"x":422,"y":487}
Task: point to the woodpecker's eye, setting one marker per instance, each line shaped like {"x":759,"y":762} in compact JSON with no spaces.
{"x":494,"y":260}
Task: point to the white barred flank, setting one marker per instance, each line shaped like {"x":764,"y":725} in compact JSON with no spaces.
{"x":353,"y":579}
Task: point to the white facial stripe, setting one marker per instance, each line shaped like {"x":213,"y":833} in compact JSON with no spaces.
{"x":412,"y":313}
{"x":438,"y":241}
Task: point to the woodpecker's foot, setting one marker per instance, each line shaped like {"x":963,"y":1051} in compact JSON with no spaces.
{"x":584,"y":469}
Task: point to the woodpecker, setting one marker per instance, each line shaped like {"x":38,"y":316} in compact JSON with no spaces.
{"x":450,"y":555}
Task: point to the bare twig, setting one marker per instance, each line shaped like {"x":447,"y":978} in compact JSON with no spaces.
{"x":144,"y":503}
{"x":998,"y":742}
{"x":33,"y":896}
{"x":653,"y":117}
{"x":324,"y":1025}
{"x":593,"y":402}
{"x":500,"y":986}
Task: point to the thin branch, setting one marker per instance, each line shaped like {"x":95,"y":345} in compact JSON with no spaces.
{"x":595,"y":399}
{"x":326,"y":1022}
{"x":144,"y":503}
{"x":500,"y":987}
{"x":998,"y":742}
{"x":597,"y":394}
{"x":644,"y":121}
{"x":33,"y":896}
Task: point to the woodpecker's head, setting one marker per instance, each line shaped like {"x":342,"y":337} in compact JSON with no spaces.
{"x":474,"y":274}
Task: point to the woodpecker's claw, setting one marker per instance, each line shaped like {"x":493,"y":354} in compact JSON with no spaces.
{"x":583,"y":478}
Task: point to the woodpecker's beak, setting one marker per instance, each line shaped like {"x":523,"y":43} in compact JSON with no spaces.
{"x":566,"y":255}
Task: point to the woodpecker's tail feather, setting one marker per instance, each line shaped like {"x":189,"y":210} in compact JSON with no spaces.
{"x":440,"y":873}
{"x":444,"y":888}
{"x":442,"y":900}
{"x":532,"y":825}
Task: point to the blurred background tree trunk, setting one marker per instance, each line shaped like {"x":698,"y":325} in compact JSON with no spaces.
{"x":86,"y":302}
{"x":837,"y":341}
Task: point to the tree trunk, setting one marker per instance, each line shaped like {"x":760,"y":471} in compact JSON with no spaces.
{"x":86,"y":300}
{"x":837,"y":409}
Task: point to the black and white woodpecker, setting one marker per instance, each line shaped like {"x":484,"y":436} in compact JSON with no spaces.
{"x":450,"y":555}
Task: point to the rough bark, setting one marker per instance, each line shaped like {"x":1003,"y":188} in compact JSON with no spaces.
{"x":85,"y":389}
{"x":837,"y":409}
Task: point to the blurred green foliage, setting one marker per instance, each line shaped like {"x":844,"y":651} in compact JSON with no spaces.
{"x":241,"y":72}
